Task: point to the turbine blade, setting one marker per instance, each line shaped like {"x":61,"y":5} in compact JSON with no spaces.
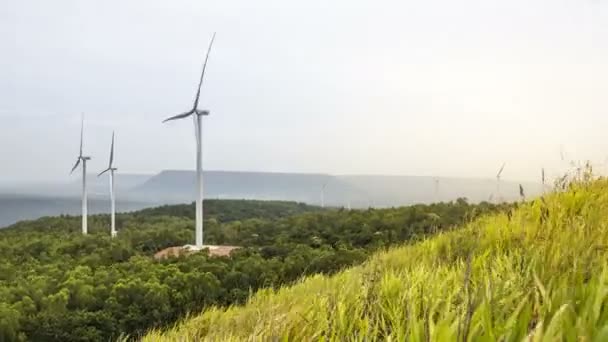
{"x":104,"y":171}
{"x":112,"y":152}
{"x":200,"y":83}
{"x":179,"y":116}
{"x":543,"y":175}
{"x":75,"y":165}
{"x":501,"y":169}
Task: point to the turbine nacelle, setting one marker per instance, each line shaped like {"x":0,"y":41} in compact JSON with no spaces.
{"x":111,"y":163}
{"x":106,"y":170}
{"x":195,"y":109}
{"x":187,"y":114}
{"x":78,"y":160}
{"x":80,"y":156}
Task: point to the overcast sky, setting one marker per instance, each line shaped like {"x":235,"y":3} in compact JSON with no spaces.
{"x":450,"y":87}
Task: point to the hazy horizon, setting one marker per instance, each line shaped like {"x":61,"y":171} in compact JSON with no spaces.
{"x":433,"y":88}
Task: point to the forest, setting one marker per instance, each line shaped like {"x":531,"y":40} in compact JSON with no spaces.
{"x":58,"y":285}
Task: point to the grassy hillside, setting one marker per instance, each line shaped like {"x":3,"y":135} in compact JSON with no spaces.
{"x":537,"y":273}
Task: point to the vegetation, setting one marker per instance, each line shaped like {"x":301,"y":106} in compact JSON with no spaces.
{"x":536,"y":273}
{"x":57,"y":285}
{"x":232,"y":210}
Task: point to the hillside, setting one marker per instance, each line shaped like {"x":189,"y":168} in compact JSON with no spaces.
{"x":537,"y":273}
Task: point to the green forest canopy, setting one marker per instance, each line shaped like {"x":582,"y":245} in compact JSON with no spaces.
{"x":57,"y":285}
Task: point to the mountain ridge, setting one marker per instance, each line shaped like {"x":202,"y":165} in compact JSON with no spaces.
{"x":137,"y":191}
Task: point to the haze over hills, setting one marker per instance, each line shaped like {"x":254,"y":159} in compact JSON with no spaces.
{"x":124,"y":182}
{"x":359,"y":190}
{"x":137,"y":191}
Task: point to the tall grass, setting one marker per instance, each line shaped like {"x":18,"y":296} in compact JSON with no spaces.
{"x":538,"y":273}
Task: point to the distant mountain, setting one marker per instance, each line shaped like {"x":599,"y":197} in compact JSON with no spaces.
{"x":340,"y":190}
{"x":181,"y":185}
{"x":123,"y":182}
{"x":14,"y":208}
{"x":25,"y":202}
{"x":383,"y":191}
{"x":175,"y":186}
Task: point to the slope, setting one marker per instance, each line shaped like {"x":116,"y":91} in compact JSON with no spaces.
{"x":538,"y":273}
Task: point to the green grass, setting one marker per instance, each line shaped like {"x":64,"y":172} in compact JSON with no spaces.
{"x":538,"y":273}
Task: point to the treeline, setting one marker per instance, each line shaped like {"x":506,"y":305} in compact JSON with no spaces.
{"x":231,"y":210}
{"x":57,"y":285}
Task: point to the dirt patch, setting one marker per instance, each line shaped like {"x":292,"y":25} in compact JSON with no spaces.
{"x":173,"y":252}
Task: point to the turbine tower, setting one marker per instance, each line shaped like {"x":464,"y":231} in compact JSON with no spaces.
{"x":323,"y":193}
{"x":84,"y":160}
{"x":498,"y":182}
{"x":111,"y":168}
{"x":436,"y":189}
{"x":543,"y":180}
{"x":197,"y":115}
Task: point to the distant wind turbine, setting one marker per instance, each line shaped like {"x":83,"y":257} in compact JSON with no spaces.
{"x":198,"y":124}
{"x":111,"y":168}
{"x":498,"y":181}
{"x":323,"y":194}
{"x":436,"y":190}
{"x":543,"y":179}
{"x":84,"y":160}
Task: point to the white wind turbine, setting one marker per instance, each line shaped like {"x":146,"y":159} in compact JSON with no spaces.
{"x":436,"y":189}
{"x":84,"y":160}
{"x":498,"y":182}
{"x":543,"y":180}
{"x":111,"y":168}
{"x":197,"y":115}
{"x":323,"y":193}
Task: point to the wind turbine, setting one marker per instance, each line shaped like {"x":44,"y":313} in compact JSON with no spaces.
{"x":197,"y":115}
{"x":436,"y":189}
{"x":543,"y":180}
{"x":111,"y":168}
{"x":323,"y":194}
{"x":84,"y":160}
{"x":498,"y":181}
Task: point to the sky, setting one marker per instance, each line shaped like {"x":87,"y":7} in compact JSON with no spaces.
{"x":438,"y":87}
